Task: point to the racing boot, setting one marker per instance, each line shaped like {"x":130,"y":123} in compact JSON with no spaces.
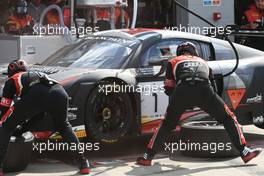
{"x":84,"y":167}
{"x":146,"y":159}
{"x":248,"y":154}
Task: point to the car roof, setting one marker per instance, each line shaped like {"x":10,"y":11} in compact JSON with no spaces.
{"x":144,"y":33}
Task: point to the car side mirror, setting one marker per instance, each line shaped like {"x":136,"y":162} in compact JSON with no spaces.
{"x":159,"y":62}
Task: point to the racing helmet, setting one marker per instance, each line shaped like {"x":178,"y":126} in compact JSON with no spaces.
{"x":21,"y":7}
{"x":16,"y":66}
{"x":187,"y":47}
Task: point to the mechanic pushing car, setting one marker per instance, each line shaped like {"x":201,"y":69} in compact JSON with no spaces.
{"x":36,"y":93}
{"x":189,"y":83}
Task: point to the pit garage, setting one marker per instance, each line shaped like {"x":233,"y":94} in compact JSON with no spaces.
{"x":101,"y":16}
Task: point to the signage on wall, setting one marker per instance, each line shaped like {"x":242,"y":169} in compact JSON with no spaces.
{"x":211,"y":2}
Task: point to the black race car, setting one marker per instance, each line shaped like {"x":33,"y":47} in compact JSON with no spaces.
{"x":115,"y":81}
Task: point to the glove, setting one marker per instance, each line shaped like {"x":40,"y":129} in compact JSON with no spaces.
{"x":45,"y":79}
{"x":169,"y":90}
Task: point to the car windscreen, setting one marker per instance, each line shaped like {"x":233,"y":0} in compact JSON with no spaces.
{"x":103,"y":53}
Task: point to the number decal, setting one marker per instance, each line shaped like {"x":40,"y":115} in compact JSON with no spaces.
{"x":156,"y":102}
{"x":153,"y":95}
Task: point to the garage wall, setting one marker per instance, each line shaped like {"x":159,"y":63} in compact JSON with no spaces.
{"x":226,"y":8}
{"x":182,"y":15}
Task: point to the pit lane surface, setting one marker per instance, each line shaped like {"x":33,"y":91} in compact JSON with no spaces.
{"x":119,"y":159}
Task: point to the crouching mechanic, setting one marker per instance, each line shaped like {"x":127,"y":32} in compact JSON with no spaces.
{"x":37,"y":93}
{"x":188,"y":83}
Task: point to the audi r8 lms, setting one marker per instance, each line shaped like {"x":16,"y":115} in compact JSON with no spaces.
{"x":115,"y":81}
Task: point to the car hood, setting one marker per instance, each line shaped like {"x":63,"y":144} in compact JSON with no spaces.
{"x":69,"y":75}
{"x":63,"y":74}
{"x":58,"y":73}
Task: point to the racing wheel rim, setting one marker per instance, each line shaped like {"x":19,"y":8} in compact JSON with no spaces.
{"x":109,"y":117}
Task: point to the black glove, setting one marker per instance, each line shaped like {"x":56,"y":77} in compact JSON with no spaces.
{"x":45,"y":79}
{"x":169,"y":90}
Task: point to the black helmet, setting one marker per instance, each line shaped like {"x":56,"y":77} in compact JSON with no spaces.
{"x":187,"y":47}
{"x":21,"y":7}
{"x":15,"y":67}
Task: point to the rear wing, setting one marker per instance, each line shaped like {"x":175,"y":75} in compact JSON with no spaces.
{"x":237,"y":31}
{"x":248,"y":33}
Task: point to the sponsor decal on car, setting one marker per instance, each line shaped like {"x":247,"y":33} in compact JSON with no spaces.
{"x":111,"y":39}
{"x":72,"y":113}
{"x":256,"y":99}
{"x":259,"y":120}
{"x":236,"y":96}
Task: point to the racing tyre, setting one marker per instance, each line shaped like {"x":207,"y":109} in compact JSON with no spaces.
{"x":19,"y":152}
{"x":108,"y":116}
{"x":206,"y":139}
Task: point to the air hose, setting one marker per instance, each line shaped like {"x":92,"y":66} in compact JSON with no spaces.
{"x":66,"y":31}
{"x":225,"y":36}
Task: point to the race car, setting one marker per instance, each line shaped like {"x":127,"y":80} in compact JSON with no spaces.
{"x":115,"y":81}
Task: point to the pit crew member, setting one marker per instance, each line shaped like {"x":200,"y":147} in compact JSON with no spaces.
{"x":36,"y":93}
{"x":188,"y":83}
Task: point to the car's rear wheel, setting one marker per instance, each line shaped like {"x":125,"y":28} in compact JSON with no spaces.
{"x":108,"y":116}
{"x":206,"y":139}
{"x":19,"y":152}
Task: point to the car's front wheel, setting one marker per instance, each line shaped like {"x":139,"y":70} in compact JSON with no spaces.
{"x":108,"y":116}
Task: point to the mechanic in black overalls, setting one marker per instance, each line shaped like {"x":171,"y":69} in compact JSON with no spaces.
{"x":188,"y":83}
{"x":38,"y":93}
